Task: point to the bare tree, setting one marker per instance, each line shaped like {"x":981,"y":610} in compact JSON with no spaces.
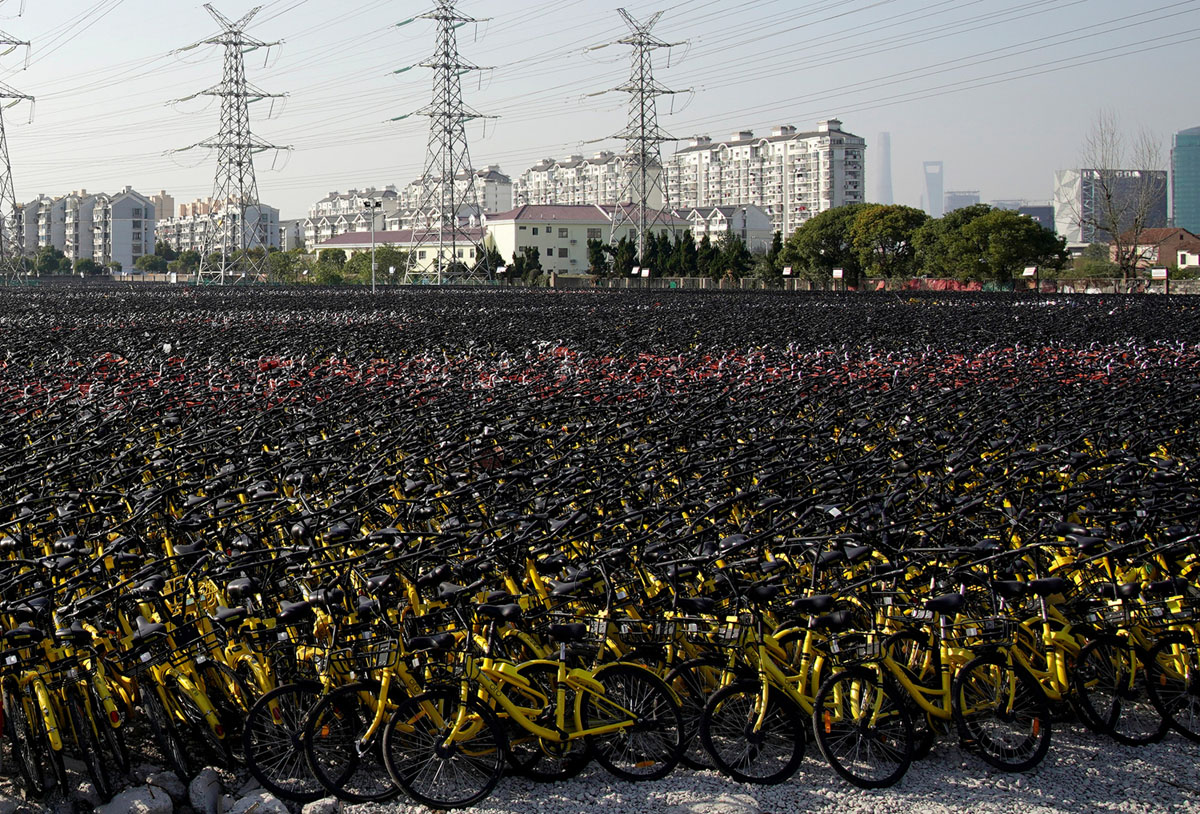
{"x":1122,"y":188}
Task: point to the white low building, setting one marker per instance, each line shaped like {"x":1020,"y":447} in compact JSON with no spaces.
{"x":748,"y":223}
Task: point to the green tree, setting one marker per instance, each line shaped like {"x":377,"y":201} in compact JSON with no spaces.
{"x":334,"y":257}
{"x":87,"y":266}
{"x":708,"y":259}
{"x":154,"y":263}
{"x":624,"y":256}
{"x":597,"y":252}
{"x":49,"y":260}
{"x":736,"y":260}
{"x":685,"y":260}
{"x":822,"y":244}
{"x":164,"y":250}
{"x":1007,"y":242}
{"x":282,"y":267}
{"x":943,"y":249}
{"x":882,"y":237}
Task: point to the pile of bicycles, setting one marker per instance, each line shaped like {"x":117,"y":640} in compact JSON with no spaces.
{"x":369,"y":551}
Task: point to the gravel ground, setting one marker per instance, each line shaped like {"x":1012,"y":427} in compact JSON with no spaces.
{"x":1081,"y":773}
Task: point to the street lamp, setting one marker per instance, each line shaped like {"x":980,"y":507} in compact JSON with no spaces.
{"x":371,"y":206}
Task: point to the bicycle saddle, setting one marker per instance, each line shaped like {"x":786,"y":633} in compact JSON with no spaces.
{"x":1049,"y":586}
{"x":819,"y":603}
{"x":696,"y":604}
{"x":290,"y":612}
{"x":508,"y":612}
{"x":440,"y":642}
{"x":230,"y":616}
{"x":147,"y":629}
{"x":569,"y":632}
{"x":946,"y":603}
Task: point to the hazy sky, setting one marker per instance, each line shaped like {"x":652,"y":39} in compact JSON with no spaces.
{"x":1002,"y":91}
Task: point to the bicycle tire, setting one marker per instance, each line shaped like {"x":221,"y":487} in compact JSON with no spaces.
{"x":921,"y":664}
{"x":650,"y":748}
{"x":693,"y":682}
{"x":53,"y":757}
{"x":536,"y":758}
{"x":272,"y":744}
{"x":1173,"y":679}
{"x":86,"y":727}
{"x":766,"y":757}
{"x":232,"y":697}
{"x":217,"y":745}
{"x":432,"y":773}
{"x":26,"y":747}
{"x":329,"y":739}
{"x":863,"y":728}
{"x":1110,"y":684}
{"x":165,"y":733}
{"x":1002,"y":713}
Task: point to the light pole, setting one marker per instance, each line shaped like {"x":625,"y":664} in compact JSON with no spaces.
{"x":371,"y":206}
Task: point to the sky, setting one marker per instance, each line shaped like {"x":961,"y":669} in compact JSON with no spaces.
{"x":1004,"y":92}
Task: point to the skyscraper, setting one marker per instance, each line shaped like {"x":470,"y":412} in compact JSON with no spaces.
{"x":935,"y":184}
{"x":1185,"y":180}
{"x":883,"y":192}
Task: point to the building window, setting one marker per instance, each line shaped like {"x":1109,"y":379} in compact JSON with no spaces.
{"x":521,"y":228}
{"x":137,"y":212}
{"x":535,"y":230}
{"x":562,"y":252}
{"x":595,"y":234}
{"x":137,"y":235}
{"x":562,"y":232}
{"x":421,"y":254}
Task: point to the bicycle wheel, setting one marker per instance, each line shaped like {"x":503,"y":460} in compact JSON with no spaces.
{"x":537,"y":758}
{"x":430,"y":770}
{"x":216,"y":743}
{"x":920,"y":662}
{"x":26,"y":745}
{"x":271,"y":741}
{"x":693,"y":681}
{"x":1110,"y":683}
{"x":112,"y":738}
{"x":745,"y":749}
{"x":332,"y":741}
{"x":165,"y":733}
{"x":232,"y":698}
{"x":43,"y":720}
{"x":1173,"y":679}
{"x":650,"y":747}
{"x":86,"y":722}
{"x":1002,"y":713}
{"x":863,"y":728}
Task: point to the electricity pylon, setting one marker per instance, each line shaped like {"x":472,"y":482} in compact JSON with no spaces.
{"x":449,"y":196}
{"x":236,"y":221}
{"x":12,"y":234}
{"x":643,"y":139}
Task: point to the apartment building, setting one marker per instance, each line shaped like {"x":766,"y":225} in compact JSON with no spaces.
{"x":790,"y":175}
{"x":493,"y":188}
{"x":116,"y":228}
{"x":190,"y":230}
{"x":578,"y":181}
{"x":341,"y":213}
{"x":748,"y":223}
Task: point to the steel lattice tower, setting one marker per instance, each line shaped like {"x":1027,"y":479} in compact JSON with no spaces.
{"x":12,"y":235}
{"x":643,"y":138}
{"x":458,"y":253}
{"x":235,"y":191}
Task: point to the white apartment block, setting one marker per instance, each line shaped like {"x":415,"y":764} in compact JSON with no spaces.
{"x":791,"y":175}
{"x":578,"y":181}
{"x":493,"y":188}
{"x":190,"y":231}
{"x":115,"y":228}
{"x":560,"y":233}
{"x":342,"y":213}
{"x":748,"y":223}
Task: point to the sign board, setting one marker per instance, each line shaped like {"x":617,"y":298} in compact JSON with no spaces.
{"x":499,"y":269}
{"x":636,"y":270}
{"x":645,"y":272}
{"x":173,"y":277}
{"x":392,"y":269}
{"x":1158,"y":274}
{"x":838,"y":274}
{"x":787,"y":271}
{"x":1030,"y":271}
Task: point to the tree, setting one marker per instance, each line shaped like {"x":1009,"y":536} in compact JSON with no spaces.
{"x":708,"y":259}
{"x":49,"y":260}
{"x":624,"y":256}
{"x":882,"y":237}
{"x":87,"y":266}
{"x":686,"y":257}
{"x":334,"y":257}
{"x":735,"y":258}
{"x":942,"y":248}
{"x":153,"y":263}
{"x":282,"y":267}
{"x":1125,"y":184}
{"x":165,"y":251}
{"x":597,"y":252}
{"x":1007,"y":242}
{"x":822,"y":244}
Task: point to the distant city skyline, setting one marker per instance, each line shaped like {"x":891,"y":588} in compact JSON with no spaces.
{"x":1002,"y":95}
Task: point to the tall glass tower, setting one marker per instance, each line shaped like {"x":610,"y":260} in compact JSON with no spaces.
{"x":1185,"y":180}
